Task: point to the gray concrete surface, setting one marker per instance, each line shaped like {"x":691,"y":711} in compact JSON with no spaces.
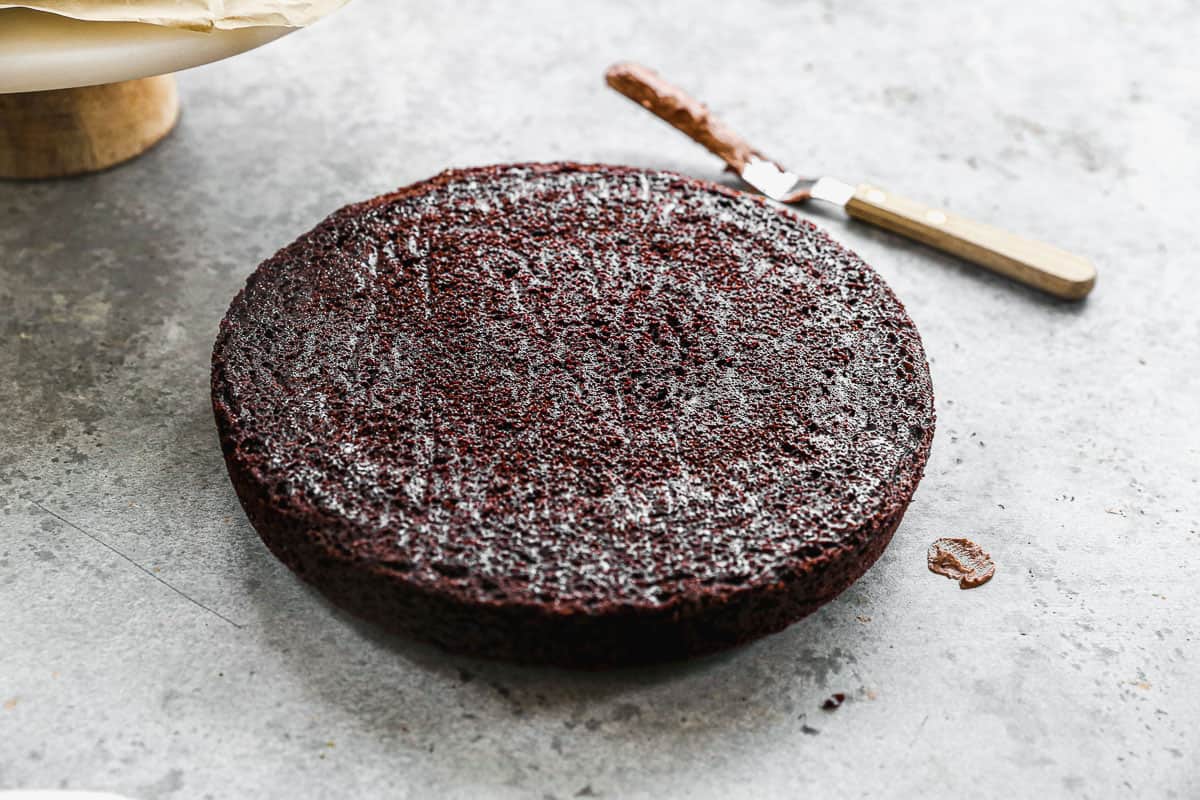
{"x":150,"y":645}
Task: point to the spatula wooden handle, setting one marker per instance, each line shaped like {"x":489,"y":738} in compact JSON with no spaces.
{"x":1035,"y":264}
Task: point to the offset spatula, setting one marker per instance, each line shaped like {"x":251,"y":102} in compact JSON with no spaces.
{"x":1035,"y":264}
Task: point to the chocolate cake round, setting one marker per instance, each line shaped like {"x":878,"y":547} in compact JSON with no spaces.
{"x":581,"y":415}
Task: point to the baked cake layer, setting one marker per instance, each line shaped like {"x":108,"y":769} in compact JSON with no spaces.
{"x":584,"y":415}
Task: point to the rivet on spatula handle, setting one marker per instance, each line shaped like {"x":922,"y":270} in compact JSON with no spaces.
{"x":1033,"y":263}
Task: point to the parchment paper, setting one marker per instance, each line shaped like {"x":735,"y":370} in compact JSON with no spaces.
{"x":200,"y":15}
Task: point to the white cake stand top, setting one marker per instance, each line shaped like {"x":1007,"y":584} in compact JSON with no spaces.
{"x":40,"y":51}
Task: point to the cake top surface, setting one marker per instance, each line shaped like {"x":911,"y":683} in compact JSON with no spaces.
{"x":575,"y":385}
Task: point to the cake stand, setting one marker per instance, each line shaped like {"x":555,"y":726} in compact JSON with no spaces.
{"x":78,"y":96}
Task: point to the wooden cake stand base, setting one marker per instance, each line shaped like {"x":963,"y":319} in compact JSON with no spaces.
{"x":73,"y":131}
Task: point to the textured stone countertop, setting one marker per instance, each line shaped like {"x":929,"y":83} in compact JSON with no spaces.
{"x":150,"y":645}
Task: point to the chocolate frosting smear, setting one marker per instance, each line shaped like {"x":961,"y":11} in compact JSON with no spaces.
{"x":961,"y":560}
{"x":583,"y":415}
